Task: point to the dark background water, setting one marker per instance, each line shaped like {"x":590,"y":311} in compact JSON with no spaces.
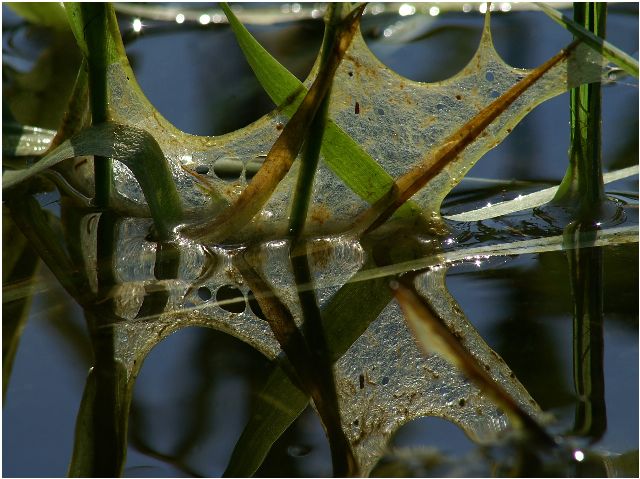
{"x":192,"y":395}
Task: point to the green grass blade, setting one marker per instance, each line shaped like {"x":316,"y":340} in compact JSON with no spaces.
{"x":612,"y":53}
{"x":283,"y":152}
{"x":47,"y":14}
{"x":342,"y":154}
{"x":135,"y":148}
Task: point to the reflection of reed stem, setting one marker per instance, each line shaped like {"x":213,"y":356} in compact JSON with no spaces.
{"x":585,"y":265}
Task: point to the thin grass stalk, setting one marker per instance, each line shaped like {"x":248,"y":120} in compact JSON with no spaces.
{"x":311,"y":150}
{"x":107,"y":438}
{"x":582,"y":187}
{"x":96,"y":34}
{"x":343,"y":459}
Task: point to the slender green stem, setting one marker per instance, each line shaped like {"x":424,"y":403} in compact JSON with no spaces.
{"x":308,"y":166}
{"x":96,"y":34}
{"x":582,"y":187}
{"x":311,"y":151}
{"x":343,"y":459}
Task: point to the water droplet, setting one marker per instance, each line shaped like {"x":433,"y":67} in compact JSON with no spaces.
{"x":385,"y":380}
{"x":489,"y":76}
{"x":202,"y":169}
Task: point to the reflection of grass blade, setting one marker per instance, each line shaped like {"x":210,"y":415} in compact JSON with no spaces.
{"x":414,"y":180}
{"x":617,"y":56}
{"x":280,"y":401}
{"x":283,"y":152}
{"x":309,"y":358}
{"x":100,"y":443}
{"x":33,"y":222}
{"x":435,"y":338}
{"x":276,"y":406}
{"x":19,"y":264}
{"x":608,"y":237}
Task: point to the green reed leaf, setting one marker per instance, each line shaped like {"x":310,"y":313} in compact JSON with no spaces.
{"x":354,"y":166}
{"x":609,"y":51}
{"x":47,"y":14}
{"x":283,"y":152}
{"x":135,"y":148}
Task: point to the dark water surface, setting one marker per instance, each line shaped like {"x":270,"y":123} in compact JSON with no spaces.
{"x":192,"y":397}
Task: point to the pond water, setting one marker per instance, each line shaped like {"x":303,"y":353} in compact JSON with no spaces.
{"x":193,"y":395}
